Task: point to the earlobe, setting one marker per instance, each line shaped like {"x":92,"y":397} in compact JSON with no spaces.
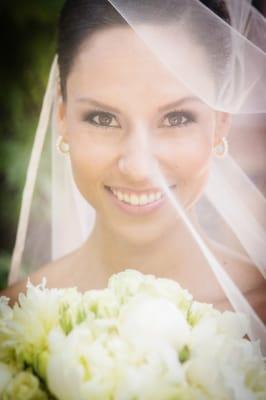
{"x":223,"y":124}
{"x":61,"y":116}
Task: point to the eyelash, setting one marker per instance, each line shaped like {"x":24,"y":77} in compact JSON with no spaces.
{"x":188,"y":115}
{"x":88,"y":117}
{"x":190,"y":118}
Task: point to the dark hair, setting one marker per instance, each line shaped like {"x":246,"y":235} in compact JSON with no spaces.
{"x":81,"y":18}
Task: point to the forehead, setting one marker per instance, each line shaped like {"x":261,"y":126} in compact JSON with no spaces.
{"x":115,"y":63}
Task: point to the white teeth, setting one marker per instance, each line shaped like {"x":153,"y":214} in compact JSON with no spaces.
{"x":126,"y":198}
{"x":143,"y":199}
{"x":151,"y":198}
{"x":136,"y":200}
{"x":120,"y":196}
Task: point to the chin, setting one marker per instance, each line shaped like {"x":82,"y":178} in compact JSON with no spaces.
{"x":143,"y":232}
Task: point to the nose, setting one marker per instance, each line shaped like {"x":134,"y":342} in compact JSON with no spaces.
{"x":138,"y":161}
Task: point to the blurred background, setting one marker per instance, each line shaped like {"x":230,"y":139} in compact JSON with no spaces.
{"x":28,"y":33}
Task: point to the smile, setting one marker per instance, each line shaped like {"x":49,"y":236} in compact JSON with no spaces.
{"x":138,"y":202}
{"x":136,"y":199}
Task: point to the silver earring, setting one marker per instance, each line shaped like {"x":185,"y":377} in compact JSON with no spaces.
{"x":62,"y":146}
{"x":221,"y":150}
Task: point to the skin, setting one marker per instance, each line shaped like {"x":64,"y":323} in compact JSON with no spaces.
{"x":155,"y":122}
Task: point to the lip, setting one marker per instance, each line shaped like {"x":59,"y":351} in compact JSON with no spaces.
{"x":137,"y":209}
{"x":139,"y":192}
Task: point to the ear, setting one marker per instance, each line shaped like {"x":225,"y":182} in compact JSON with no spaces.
{"x":223,"y":125}
{"x":61,"y":114}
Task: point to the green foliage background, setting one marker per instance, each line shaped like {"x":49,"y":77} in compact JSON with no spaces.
{"x":28,"y":33}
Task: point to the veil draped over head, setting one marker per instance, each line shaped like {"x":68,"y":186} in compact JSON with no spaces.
{"x":55,"y":218}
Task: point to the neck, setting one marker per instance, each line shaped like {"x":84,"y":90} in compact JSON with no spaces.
{"x":164,"y":256}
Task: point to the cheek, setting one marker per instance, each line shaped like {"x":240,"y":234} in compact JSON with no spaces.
{"x":91,"y":164}
{"x":189,"y":157}
{"x":188,"y":165}
{"x":195,"y":171}
{"x":194,"y":157}
{"x":189,"y":150}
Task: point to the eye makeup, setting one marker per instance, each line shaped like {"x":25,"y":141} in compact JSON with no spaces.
{"x":173,"y":119}
{"x":178,"y":118}
{"x":101,"y":119}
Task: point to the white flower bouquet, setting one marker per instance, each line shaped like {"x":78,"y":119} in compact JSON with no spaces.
{"x":141,"y":338}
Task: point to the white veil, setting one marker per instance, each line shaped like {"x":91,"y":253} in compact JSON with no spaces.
{"x":232,"y":201}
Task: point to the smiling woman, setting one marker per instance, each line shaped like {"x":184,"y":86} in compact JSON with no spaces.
{"x":126,"y":126}
{"x":142,"y":109}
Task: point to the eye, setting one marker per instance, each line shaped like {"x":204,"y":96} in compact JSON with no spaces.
{"x":178,"y":119}
{"x":101,"y":118}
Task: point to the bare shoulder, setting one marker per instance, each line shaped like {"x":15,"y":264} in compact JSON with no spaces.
{"x":57,"y":274}
{"x":246,"y":276}
{"x":239,"y":267}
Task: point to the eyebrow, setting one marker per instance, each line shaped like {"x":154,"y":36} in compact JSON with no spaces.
{"x":160,"y":109}
{"x":97,"y":104}
{"x":180,"y":102}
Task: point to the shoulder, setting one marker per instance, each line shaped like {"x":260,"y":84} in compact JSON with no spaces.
{"x":57,"y":274}
{"x":246,"y":276}
{"x":255,"y":297}
{"x":239,"y":267}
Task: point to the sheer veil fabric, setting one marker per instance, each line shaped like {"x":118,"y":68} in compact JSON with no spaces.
{"x":55,"y":219}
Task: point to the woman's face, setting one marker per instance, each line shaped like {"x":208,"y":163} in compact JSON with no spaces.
{"x":124,"y":115}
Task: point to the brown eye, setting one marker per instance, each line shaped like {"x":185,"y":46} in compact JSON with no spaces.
{"x":103,"y":119}
{"x":100,"y":118}
{"x":177,"y":119}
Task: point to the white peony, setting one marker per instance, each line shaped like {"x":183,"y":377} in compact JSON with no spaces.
{"x":222,"y":364}
{"x":24,"y":386}
{"x":6,"y":333}
{"x":141,"y":338}
{"x":128,"y":283}
{"x":80,"y":366}
{"x":147,"y":321}
{"x":6,"y":375}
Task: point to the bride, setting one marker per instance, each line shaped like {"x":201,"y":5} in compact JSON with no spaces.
{"x":121,"y":114}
